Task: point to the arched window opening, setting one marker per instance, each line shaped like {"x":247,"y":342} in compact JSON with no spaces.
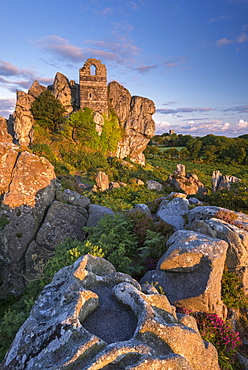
{"x":93,"y":70}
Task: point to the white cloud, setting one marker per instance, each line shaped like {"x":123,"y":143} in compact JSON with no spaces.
{"x":242,"y":124}
{"x":215,"y":127}
{"x":162,"y":126}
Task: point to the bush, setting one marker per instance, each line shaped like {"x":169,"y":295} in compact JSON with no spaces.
{"x":114,"y":234}
{"x":47,"y":110}
{"x":236,"y":198}
{"x":232,"y":291}
{"x":3,"y":221}
{"x":125,"y":197}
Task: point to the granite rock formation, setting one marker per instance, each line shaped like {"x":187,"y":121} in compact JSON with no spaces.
{"x":190,"y":271}
{"x":234,"y":233}
{"x":220,"y":182}
{"x":134,"y":113}
{"x":37,"y":215}
{"x":91,"y":317}
{"x":187,"y":182}
{"x":5,"y":137}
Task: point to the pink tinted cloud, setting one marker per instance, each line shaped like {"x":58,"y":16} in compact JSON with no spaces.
{"x":14,"y":78}
{"x":182,"y":110}
{"x":175,"y":62}
{"x":120,"y":49}
{"x":144,"y":69}
{"x":240,"y":39}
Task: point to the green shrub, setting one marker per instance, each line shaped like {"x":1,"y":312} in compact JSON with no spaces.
{"x":111,"y":134}
{"x":68,"y":252}
{"x":236,"y":198}
{"x":47,"y":110}
{"x":10,"y":324}
{"x":114,"y":234}
{"x":125,"y":197}
{"x":232,"y":291}
{"x":3,"y":221}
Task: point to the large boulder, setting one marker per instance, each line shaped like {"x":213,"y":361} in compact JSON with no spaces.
{"x":102,"y":181}
{"x":187,"y":182}
{"x":28,"y":188}
{"x":30,"y":175}
{"x":91,"y":317}
{"x":190,"y":271}
{"x":154,"y":185}
{"x":173,"y":212}
{"x":61,"y":222}
{"x":237,"y":239}
{"x":96,"y":213}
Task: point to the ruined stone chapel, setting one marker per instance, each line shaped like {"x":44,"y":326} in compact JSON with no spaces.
{"x":93,"y":86}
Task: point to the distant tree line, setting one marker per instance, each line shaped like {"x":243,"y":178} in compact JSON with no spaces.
{"x":209,"y":149}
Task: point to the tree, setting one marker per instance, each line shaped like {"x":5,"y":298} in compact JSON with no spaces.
{"x":47,"y":110}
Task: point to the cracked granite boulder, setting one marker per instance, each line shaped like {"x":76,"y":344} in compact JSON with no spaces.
{"x":190,"y":271}
{"x":92,"y":317}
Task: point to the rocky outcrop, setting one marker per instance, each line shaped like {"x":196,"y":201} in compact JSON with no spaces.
{"x":28,"y":188}
{"x":23,"y":118}
{"x":190,"y":271}
{"x":220,"y":182}
{"x":235,"y":233}
{"x":36,"y":215}
{"x":91,"y":317}
{"x":187,"y":182}
{"x":29,"y":176}
{"x":134,"y":113}
{"x":36,"y":89}
{"x":65,"y":92}
{"x":8,"y":156}
{"x":139,"y":129}
{"x":5,"y":137}
{"x":102,"y":181}
{"x":119,"y":100}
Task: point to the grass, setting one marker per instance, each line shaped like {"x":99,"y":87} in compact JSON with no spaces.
{"x":163,"y":148}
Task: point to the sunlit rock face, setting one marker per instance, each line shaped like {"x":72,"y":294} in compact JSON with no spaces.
{"x":92,"y":317}
{"x":135,"y":115}
{"x":27,"y":186}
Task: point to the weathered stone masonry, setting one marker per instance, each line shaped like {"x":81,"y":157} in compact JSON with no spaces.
{"x":93,"y":86}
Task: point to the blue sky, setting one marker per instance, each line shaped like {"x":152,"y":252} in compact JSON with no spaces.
{"x":189,"y":57}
